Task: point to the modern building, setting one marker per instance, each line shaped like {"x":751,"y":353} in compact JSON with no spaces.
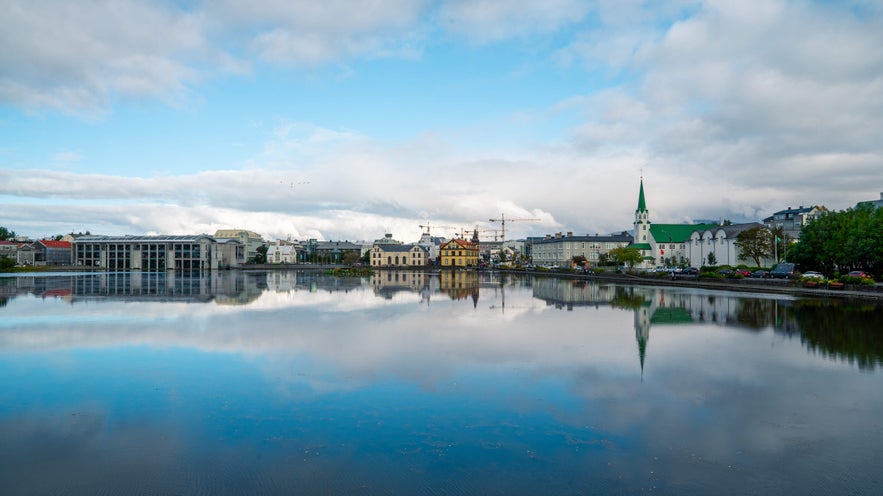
{"x":662,"y":244}
{"x":560,"y":249}
{"x":249,"y":239}
{"x":459,"y":253}
{"x":51,"y":252}
{"x":158,"y":253}
{"x":401,"y":256}
{"x":792,"y":220}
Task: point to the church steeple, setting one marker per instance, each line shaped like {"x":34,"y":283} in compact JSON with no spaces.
{"x":642,"y":205}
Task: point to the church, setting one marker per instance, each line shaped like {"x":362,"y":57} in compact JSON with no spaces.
{"x":685,"y":244}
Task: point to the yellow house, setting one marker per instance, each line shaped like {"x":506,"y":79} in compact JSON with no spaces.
{"x":459,"y":253}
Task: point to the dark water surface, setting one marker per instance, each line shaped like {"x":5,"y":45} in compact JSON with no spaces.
{"x":298,"y":383}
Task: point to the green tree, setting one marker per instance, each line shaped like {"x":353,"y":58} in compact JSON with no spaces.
{"x":351,"y":257}
{"x":6,"y":234}
{"x":841,"y":241}
{"x":626,"y":255}
{"x":712,"y":259}
{"x":755,"y":243}
{"x":261,"y":257}
{"x":579,"y":260}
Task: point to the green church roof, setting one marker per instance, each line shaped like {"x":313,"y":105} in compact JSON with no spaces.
{"x":642,"y":205}
{"x":676,"y":233}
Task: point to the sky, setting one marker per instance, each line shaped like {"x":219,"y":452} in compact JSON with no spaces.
{"x":346,"y":120}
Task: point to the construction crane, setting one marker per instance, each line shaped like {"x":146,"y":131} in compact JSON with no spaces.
{"x":460,"y":231}
{"x":440,"y":227}
{"x":502,"y":220}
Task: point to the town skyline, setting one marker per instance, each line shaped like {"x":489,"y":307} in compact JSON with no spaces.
{"x":308,"y":120}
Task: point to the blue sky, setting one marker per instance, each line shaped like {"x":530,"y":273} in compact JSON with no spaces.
{"x":346,"y":120}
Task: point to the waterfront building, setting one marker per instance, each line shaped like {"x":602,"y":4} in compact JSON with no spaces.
{"x":249,"y":239}
{"x":459,"y":253}
{"x":560,"y":249}
{"x":397,"y":255}
{"x":51,"y":252}
{"x":283,"y":252}
{"x":662,"y":244}
{"x":720,"y":241}
{"x":157,"y":253}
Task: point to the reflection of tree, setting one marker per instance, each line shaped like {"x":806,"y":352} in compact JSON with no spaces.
{"x":755,"y":313}
{"x":844,"y":330}
{"x":628,"y":299}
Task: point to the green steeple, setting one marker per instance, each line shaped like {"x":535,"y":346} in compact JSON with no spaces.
{"x":642,"y":205}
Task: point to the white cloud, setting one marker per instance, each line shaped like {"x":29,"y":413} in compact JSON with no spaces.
{"x":487,"y":21}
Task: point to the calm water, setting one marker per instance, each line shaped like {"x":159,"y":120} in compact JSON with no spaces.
{"x":298,"y":383}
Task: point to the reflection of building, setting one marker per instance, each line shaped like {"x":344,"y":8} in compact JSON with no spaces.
{"x":459,"y":285}
{"x":571,"y":293}
{"x":459,"y":253}
{"x":157,"y":253}
{"x":388,"y":283}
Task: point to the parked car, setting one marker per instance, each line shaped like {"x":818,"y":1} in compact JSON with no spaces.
{"x":725,"y":272}
{"x":782,"y":271}
{"x":760,"y":274}
{"x":692,"y":271}
{"x":743,"y":272}
{"x":811,"y":274}
{"x":859,"y":273}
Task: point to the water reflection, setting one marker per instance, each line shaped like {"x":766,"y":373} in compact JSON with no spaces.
{"x":279,"y":382}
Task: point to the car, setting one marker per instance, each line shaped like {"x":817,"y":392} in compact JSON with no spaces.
{"x":859,"y":273}
{"x":782,"y":271}
{"x":743,"y":272}
{"x":811,"y":274}
{"x":760,"y":274}
{"x":692,"y":271}
{"x":725,"y":272}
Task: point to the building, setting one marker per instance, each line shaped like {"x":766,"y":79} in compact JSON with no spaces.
{"x":158,"y":253}
{"x":249,"y":239}
{"x":720,"y":241}
{"x":401,"y":256}
{"x":560,"y":249}
{"x":459,"y":253}
{"x":51,"y":252}
{"x":662,"y":244}
{"x":792,"y":220}
{"x":8,"y":249}
{"x":331,"y":252}
{"x":283,"y":252}
{"x":873,"y":203}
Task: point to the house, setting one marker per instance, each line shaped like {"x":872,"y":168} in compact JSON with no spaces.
{"x":560,"y":249}
{"x":459,"y":253}
{"x":792,"y":220}
{"x":720,"y":243}
{"x":662,"y":244}
{"x":399,"y":256}
{"x":51,"y":252}
{"x":282,"y":252}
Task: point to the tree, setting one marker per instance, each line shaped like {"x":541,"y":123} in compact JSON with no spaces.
{"x":6,"y":234}
{"x":755,"y":243}
{"x":261,"y":257}
{"x":579,"y":260}
{"x":626,"y":255}
{"x":712,"y":260}
{"x":841,"y":241}
{"x":351,"y":257}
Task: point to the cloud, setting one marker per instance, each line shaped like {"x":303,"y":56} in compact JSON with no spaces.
{"x":487,"y":21}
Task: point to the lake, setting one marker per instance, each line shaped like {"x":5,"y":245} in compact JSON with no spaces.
{"x":294,"y":382}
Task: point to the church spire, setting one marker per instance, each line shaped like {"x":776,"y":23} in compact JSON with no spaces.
{"x":642,"y":205}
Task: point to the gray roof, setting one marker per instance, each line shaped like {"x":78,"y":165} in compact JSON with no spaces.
{"x":149,"y":239}
{"x":732,"y":230}
{"x":399,"y":248}
{"x":608,"y":238}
